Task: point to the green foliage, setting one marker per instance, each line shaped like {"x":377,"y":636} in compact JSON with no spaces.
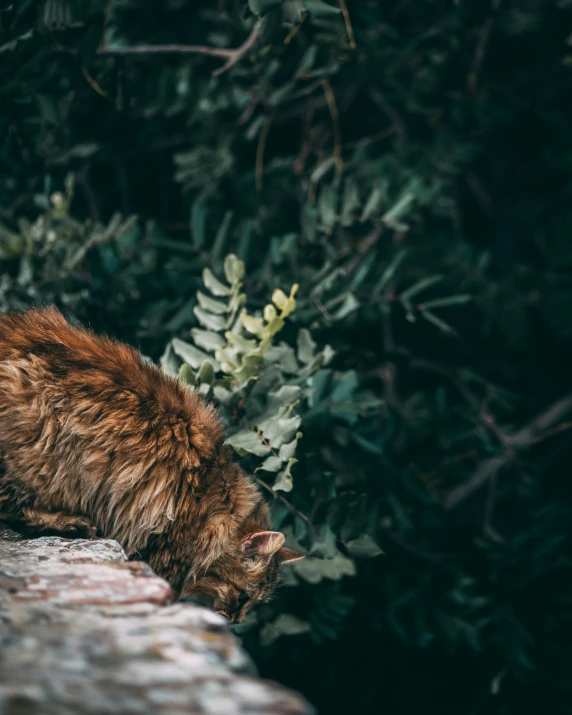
{"x":407,"y":165}
{"x":266,"y":393}
{"x":46,"y":258}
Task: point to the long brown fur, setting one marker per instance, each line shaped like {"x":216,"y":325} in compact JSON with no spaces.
{"x":95,"y":440}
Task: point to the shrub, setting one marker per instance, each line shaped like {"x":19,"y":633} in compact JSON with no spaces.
{"x":267,"y":393}
{"x":407,"y":165}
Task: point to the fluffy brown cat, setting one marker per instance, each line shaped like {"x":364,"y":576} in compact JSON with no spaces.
{"x":95,"y":440}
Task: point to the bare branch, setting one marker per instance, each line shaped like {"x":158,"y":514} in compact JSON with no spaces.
{"x":542,"y":422}
{"x":284,"y":501}
{"x":541,"y":427}
{"x":93,"y":84}
{"x":487,"y":470}
{"x":236,"y":55}
{"x":294,"y":31}
{"x":232,"y":56}
{"x":225,"y":53}
{"x":348,"y":22}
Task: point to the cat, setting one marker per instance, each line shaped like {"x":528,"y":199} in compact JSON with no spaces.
{"x":96,"y":440}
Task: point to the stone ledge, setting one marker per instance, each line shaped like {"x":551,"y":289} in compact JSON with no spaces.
{"x":83,"y":630}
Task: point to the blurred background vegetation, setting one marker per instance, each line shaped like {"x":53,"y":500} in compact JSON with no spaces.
{"x":408,"y":165}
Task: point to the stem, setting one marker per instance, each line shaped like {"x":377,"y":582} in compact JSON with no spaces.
{"x":93,"y":84}
{"x":347,"y":20}
{"x":275,"y":494}
{"x":260,"y":151}
{"x":332,"y":106}
{"x":232,"y":56}
{"x":284,"y":501}
{"x":294,"y":31}
{"x":106,"y":23}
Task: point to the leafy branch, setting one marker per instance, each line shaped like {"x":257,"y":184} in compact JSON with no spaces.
{"x":234,"y":360}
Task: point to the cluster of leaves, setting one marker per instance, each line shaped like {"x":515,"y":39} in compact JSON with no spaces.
{"x":407,"y":166}
{"x":265,"y":393}
{"x":55,"y":258}
{"x":267,"y":426}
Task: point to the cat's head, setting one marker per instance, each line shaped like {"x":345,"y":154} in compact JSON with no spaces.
{"x":245,"y":577}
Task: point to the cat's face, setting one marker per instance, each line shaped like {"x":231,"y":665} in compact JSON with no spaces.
{"x":238,"y":581}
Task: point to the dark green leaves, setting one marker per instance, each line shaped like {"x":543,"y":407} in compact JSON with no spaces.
{"x":261,"y":7}
{"x":319,"y":8}
{"x":363,"y":547}
{"x":285,"y":625}
{"x":398,"y":184}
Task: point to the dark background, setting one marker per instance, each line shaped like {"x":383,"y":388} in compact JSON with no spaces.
{"x":376,"y":147}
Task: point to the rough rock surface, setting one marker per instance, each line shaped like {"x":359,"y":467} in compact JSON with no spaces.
{"x":82,"y":630}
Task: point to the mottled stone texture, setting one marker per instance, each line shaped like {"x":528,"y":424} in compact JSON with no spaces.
{"x":82,"y":630}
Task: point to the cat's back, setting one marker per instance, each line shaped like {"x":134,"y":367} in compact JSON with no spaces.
{"x":40,"y":352}
{"x":47,"y":341}
{"x":87,"y":426}
{"x":98,"y":387}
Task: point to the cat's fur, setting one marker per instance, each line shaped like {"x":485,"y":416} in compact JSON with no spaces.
{"x":95,"y":440}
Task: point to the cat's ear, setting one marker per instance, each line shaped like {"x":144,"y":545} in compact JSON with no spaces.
{"x":287,"y":556}
{"x":262,"y":543}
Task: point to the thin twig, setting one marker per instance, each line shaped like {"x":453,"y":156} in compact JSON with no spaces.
{"x":363,"y":141}
{"x":284,"y":501}
{"x":388,"y":370}
{"x":294,"y":31}
{"x":232,"y":56}
{"x":332,"y":106}
{"x":551,"y":432}
{"x":260,"y":150}
{"x":306,"y":144}
{"x":249,"y":111}
{"x":222,"y":52}
{"x":484,"y":36}
{"x":487,"y":470}
{"x":392,"y":113}
{"x":106,"y":23}
{"x":388,"y":375}
{"x":349,"y":28}
{"x":305,"y":91}
{"x":535,"y":431}
{"x":93,"y":84}
{"x":322,"y":308}
{"x":536,"y":428}
{"x":363,"y":247}
{"x":274,"y":493}
{"x":240,"y":52}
